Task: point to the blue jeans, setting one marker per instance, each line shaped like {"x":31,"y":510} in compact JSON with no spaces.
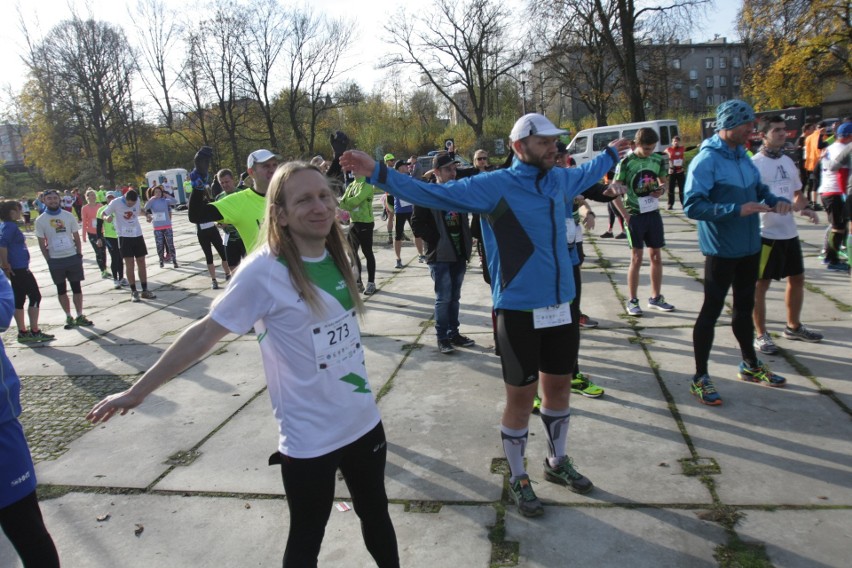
{"x":448,"y":278}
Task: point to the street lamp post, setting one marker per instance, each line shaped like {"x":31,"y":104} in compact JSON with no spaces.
{"x":524,"y":95}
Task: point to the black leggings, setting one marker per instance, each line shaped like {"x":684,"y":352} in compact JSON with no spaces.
{"x":208,"y":238}
{"x":235,"y":250}
{"x":720,"y":274}
{"x":24,"y":526}
{"x":361,"y":236}
{"x":116,"y":263}
{"x":100,"y":253}
{"x":613,"y":213}
{"x":309,"y":484}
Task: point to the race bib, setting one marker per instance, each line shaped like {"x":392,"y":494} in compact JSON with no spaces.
{"x":552,"y":316}
{"x":62,"y":243}
{"x":648,"y":203}
{"x":160,"y":216}
{"x":677,"y":163}
{"x":203,"y":226}
{"x":336,"y":340}
{"x":128,"y":231}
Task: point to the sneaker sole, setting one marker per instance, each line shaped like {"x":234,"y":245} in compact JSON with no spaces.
{"x":805,"y":339}
{"x":651,"y":306}
{"x":766,"y":351}
{"x":750,"y":379}
{"x":639,"y":315}
{"x":559,"y":481}
{"x":587,"y":395}
{"x":706,"y":402}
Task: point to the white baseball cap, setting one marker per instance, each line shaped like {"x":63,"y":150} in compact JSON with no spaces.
{"x":534,"y":124}
{"x":259,"y":157}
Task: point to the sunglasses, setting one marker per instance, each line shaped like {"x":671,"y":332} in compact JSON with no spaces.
{"x":482,"y":158}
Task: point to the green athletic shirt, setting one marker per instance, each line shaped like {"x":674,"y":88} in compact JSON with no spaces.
{"x":244,"y":210}
{"x":326,"y":276}
{"x":641,"y":176}
{"x":233,"y":234}
{"x":108,"y":229}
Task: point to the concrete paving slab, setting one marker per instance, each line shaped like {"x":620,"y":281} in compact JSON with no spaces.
{"x":801,"y":539}
{"x":130,"y":451}
{"x":613,"y":538}
{"x":627,"y":441}
{"x":442,"y":423}
{"x":793,"y":433}
{"x":111,"y":355}
{"x":212,"y":531}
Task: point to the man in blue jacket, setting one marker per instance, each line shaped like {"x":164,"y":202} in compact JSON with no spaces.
{"x":724,"y":194}
{"x":523,"y":211}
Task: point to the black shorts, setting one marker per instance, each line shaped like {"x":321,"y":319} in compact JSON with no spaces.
{"x":389,"y":200}
{"x":69,"y":268}
{"x":524,"y":350}
{"x":836,"y":211}
{"x":847,"y":213}
{"x":132,"y":247}
{"x":24,"y":286}
{"x":780,"y":259}
{"x":646,"y":230}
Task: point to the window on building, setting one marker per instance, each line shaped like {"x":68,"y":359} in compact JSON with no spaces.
{"x":708,"y":81}
{"x":709,"y":100}
{"x":723,"y":81}
{"x":676,"y":63}
{"x":678,"y":85}
{"x":737,"y":62}
{"x":693,"y":74}
{"x":708,"y":63}
{"x":736,"y":80}
{"x":723,"y":63}
{"x":693,"y":92}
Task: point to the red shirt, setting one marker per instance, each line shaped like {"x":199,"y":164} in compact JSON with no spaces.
{"x":675,"y":159}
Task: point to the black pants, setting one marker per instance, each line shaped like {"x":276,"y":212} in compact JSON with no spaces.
{"x":116,"y":263}
{"x":676,"y":181}
{"x":720,"y":274}
{"x":361,"y":237}
{"x":309,"y":484}
{"x":24,"y":526}
{"x":235,"y":250}
{"x":100,"y":252}
{"x":208,"y":238}
{"x":613,"y":213}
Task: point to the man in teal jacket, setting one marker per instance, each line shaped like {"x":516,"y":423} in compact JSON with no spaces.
{"x":724,"y":194}
{"x":523,"y":212}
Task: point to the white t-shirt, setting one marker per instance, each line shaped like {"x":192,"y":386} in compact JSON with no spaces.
{"x":314,"y":364}
{"x":832,"y":183}
{"x":125,"y":219}
{"x":59,"y":231}
{"x":782,"y":177}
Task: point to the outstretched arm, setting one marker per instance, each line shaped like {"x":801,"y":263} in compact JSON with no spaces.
{"x":193,"y":343}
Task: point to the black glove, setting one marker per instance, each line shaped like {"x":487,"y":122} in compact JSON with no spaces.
{"x":202,"y":160}
{"x":339,"y":143}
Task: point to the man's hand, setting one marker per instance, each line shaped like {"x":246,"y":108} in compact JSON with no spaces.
{"x":119,"y":402}
{"x":615,"y":189}
{"x":7,"y":268}
{"x":782,"y":207}
{"x":358,"y":162}
{"x":621,"y":146}
{"x":811,"y":214}
{"x":339,"y":142}
{"x":753,"y":207}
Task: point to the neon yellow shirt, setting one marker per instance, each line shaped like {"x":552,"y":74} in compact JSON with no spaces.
{"x":244,"y":210}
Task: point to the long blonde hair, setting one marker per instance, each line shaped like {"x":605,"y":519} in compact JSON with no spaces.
{"x":281,"y":242}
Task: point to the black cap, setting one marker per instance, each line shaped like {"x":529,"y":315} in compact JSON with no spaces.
{"x":442,"y":159}
{"x":399,"y":163}
{"x":561,"y":148}
{"x":204,"y":152}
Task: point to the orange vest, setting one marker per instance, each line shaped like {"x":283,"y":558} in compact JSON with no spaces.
{"x":812,"y":151}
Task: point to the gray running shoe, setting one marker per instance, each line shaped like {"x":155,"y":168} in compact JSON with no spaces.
{"x":370,"y":289}
{"x":660,"y":303}
{"x":524,"y":496}
{"x":445,"y":346}
{"x":633,"y":308}
{"x":134,"y":296}
{"x":148,"y":295}
{"x":565,"y":474}
{"x":764,"y":344}
{"x":803,"y":333}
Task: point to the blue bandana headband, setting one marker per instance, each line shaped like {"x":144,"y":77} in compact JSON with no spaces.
{"x":733,"y":113}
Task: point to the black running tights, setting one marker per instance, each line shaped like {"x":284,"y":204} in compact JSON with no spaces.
{"x":720,"y":275}
{"x":309,"y":484}
{"x":361,"y":237}
{"x":24,"y":526}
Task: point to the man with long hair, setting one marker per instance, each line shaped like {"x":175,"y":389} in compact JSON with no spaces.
{"x":299,"y":280}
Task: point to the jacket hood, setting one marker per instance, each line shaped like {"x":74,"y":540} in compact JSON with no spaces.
{"x":716,"y":144}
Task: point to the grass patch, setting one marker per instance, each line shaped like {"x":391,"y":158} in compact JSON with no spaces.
{"x":423,"y":507}
{"x":182,"y":457}
{"x":740,"y":554}
{"x":698,"y":466}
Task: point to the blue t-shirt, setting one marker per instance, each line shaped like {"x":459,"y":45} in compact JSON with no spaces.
{"x":12,"y":238}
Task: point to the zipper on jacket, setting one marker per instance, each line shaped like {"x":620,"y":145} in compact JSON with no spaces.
{"x":553,"y":234}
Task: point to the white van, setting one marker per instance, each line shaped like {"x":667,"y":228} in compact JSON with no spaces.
{"x":588,"y":143}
